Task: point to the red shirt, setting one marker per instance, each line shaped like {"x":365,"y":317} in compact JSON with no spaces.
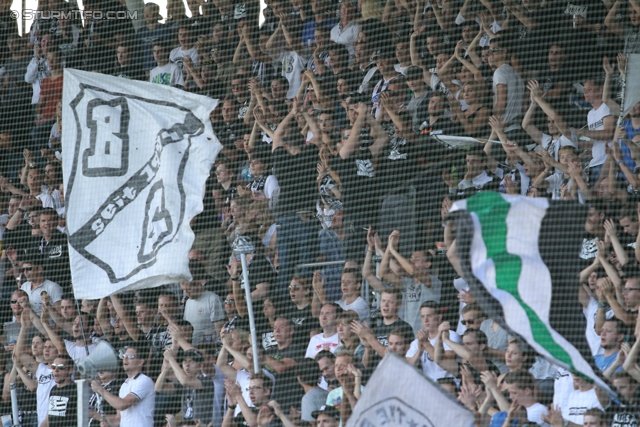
{"x":50,"y":94}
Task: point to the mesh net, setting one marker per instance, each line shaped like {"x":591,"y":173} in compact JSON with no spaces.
{"x":348,"y":130}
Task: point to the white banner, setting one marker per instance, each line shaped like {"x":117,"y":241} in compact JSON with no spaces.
{"x":136,"y":156}
{"x":397,"y":394}
{"x":632,"y":84}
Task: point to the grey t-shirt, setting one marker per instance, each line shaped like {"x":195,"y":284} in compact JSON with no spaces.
{"x":498,"y":339}
{"x":413,"y":295}
{"x":313,"y":401}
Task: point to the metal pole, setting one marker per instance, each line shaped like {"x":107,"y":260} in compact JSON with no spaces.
{"x":14,"y":404}
{"x":252,"y":321}
{"x":243,"y":246}
{"x":84,"y":393}
{"x":623,"y":80}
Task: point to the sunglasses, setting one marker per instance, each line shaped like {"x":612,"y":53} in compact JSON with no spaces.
{"x":55,"y":367}
{"x":13,"y":301}
{"x":27,"y":268}
{"x":469,"y":321}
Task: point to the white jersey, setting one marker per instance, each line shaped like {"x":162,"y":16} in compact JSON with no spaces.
{"x":595,"y":120}
{"x":44,"y":375}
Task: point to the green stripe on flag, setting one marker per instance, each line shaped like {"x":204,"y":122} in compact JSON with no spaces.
{"x":492,"y":211}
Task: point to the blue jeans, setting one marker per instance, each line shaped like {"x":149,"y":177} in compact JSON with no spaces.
{"x":297,"y":240}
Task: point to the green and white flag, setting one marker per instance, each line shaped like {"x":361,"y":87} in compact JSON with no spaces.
{"x":520,"y":258}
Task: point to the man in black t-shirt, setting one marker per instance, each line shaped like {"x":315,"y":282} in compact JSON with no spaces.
{"x":230,"y":130}
{"x":294,"y":165}
{"x":376,"y":341}
{"x":282,"y":361}
{"x":53,"y":247}
{"x":99,"y":408}
{"x":63,"y":399}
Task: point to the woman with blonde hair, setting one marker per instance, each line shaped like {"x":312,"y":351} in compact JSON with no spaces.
{"x":371,"y":9}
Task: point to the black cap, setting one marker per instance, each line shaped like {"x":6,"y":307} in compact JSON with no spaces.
{"x":326,"y":410}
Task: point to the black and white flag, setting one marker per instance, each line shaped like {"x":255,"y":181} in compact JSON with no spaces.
{"x":136,"y":157}
{"x":399,"y":395}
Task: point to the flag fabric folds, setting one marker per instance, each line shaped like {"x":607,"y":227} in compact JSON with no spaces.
{"x":135,"y":160}
{"x":632,"y":84}
{"x":523,"y":276}
{"x":398,"y":395}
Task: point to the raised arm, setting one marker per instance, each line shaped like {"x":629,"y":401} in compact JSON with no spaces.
{"x":385,"y":272}
{"x":353,"y":143}
{"x":536,"y":94}
{"x":368,"y":270}
{"x":278,"y":136}
{"x":129,"y":322}
{"x":612,"y":23}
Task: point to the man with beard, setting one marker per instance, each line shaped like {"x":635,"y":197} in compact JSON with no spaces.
{"x":230,"y":130}
{"x":136,"y":399}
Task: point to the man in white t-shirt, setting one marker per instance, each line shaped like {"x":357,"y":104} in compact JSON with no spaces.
{"x":166,"y":73}
{"x":185,"y":38}
{"x":601,"y":125}
{"x":522,"y":391}
{"x":77,"y":348}
{"x":203,"y":310}
{"x":583,"y":397}
{"x":136,"y":400}
{"x":427,"y":340}
{"x":508,"y":87}
{"x":328,"y":339}
{"x":38,"y":287}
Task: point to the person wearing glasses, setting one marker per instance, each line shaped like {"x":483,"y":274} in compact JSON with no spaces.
{"x":63,"y":398}
{"x":259,"y":389}
{"x":497,"y":338}
{"x":37,"y":286}
{"x":136,"y":399}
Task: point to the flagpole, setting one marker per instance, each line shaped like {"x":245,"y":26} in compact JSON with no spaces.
{"x":243,"y":246}
{"x":623,"y":82}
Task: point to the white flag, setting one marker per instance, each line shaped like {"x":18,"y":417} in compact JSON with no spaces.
{"x":399,"y":395}
{"x":632,"y":84}
{"x":136,"y":157}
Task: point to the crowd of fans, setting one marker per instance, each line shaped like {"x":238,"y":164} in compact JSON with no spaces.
{"x":332,"y":118}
